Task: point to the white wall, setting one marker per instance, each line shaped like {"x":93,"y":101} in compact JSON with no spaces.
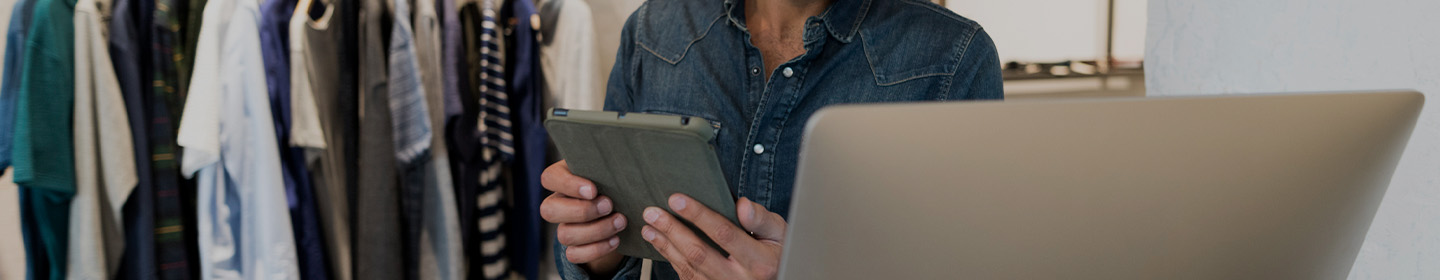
{"x":1057,"y":30}
{"x":1256,"y":46}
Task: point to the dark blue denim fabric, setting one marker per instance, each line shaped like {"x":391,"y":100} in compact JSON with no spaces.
{"x":695,"y":58}
{"x":523,"y":59}
{"x":139,"y":261}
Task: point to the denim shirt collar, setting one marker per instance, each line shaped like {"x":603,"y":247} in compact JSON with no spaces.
{"x":842,"y":18}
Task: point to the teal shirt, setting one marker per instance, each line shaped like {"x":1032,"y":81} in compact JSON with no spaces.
{"x":43,"y":150}
{"x":44,"y":154}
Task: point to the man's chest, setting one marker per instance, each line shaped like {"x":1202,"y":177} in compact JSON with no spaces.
{"x":761,"y":113}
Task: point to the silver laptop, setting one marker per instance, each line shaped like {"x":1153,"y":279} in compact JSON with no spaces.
{"x":1228,"y":187}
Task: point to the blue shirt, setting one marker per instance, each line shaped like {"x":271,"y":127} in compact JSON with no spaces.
{"x":231,"y":150}
{"x":695,"y":58}
{"x":10,"y":87}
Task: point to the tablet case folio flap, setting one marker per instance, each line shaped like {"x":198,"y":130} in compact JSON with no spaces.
{"x":639,"y":167}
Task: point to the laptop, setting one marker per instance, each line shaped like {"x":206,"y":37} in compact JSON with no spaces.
{"x":1219,"y":187}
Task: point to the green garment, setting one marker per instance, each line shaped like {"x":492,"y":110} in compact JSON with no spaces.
{"x":44,"y":154}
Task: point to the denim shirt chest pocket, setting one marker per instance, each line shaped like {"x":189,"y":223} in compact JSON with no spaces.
{"x":896,"y":55}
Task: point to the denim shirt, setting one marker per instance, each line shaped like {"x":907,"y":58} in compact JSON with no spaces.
{"x":695,"y":58}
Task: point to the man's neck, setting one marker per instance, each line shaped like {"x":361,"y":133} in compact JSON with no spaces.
{"x":783,"y":14}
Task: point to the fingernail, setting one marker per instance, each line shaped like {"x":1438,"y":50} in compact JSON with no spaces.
{"x":652,"y":214}
{"x":614,"y":241}
{"x":587,"y":192}
{"x":649,"y":234}
{"x":603,"y":206}
{"x":677,"y":203}
{"x":619,"y":222}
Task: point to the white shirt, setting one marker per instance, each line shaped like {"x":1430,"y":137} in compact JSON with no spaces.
{"x":104,"y":154}
{"x":568,"y":58}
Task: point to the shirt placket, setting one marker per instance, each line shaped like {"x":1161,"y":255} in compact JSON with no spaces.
{"x":778,"y":97}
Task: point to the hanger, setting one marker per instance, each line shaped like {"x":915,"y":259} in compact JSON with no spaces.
{"x":303,"y":8}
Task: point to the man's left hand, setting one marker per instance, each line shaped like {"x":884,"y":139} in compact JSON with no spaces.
{"x":754,"y":251}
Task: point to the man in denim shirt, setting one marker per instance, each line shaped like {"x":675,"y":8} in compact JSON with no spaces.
{"x":760,"y":68}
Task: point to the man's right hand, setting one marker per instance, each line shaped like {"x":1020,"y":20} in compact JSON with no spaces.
{"x":587,"y":224}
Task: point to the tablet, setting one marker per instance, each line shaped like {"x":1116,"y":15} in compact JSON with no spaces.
{"x":639,"y":160}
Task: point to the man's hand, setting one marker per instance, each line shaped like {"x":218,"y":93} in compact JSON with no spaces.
{"x":586,"y":225}
{"x":752,"y":256}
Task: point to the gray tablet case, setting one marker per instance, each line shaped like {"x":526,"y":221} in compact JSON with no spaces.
{"x":639,"y":160}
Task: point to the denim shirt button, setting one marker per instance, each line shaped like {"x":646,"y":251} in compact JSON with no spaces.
{"x":754,"y":71}
{"x":788,"y":72}
{"x":759,"y":149}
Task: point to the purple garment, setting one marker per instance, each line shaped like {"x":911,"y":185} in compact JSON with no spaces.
{"x":299,"y":190}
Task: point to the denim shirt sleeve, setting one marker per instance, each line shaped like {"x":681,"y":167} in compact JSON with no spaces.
{"x":617,"y":98}
{"x":983,"y":80}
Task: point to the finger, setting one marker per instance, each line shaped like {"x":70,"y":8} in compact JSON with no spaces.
{"x":675,"y":236}
{"x":589,"y":232}
{"x":716,"y":226}
{"x":672,"y":254}
{"x":557,"y":178}
{"x":561,"y":209}
{"x":590,"y":252}
{"x":764,"y":224}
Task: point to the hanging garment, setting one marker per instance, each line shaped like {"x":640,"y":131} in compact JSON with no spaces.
{"x":104,"y":157}
{"x":523,"y":62}
{"x":10,"y":87}
{"x":175,"y":247}
{"x":244,"y":228}
{"x":440,"y":258}
{"x":43,"y":152}
{"x":452,"y":56}
{"x":567,"y":56}
{"x":321,"y":111}
{"x":130,"y":63}
{"x":274,"y":45}
{"x":411,"y":121}
{"x":463,"y":138}
{"x":487,"y":104}
{"x":377,"y":240}
{"x":190,"y":27}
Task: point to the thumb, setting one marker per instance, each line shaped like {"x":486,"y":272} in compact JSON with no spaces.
{"x":764,"y":224}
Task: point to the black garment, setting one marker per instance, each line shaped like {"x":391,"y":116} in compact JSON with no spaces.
{"x":464,"y":142}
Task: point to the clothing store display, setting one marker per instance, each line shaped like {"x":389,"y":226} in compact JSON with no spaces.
{"x":378,"y":239}
{"x":245,"y":232}
{"x":530,"y":140}
{"x":283,"y":139}
{"x":104,"y":157}
{"x":317,"y":123}
{"x":439,"y":257}
{"x":43,"y":152}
